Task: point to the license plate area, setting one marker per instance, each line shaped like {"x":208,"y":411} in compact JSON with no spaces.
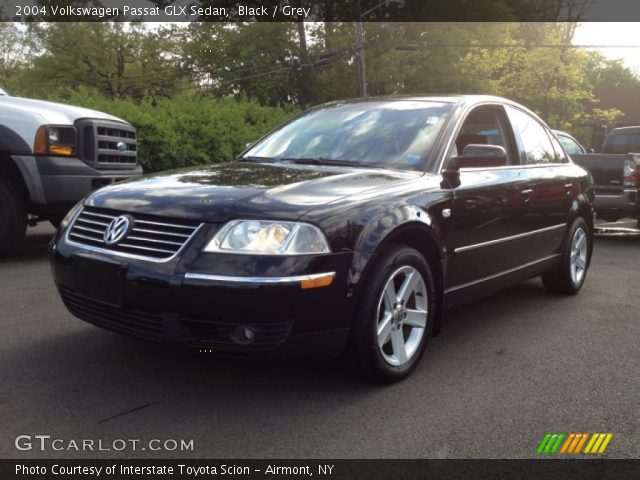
{"x":100,"y":279}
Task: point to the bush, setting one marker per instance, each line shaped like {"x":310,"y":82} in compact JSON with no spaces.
{"x":190,"y":129}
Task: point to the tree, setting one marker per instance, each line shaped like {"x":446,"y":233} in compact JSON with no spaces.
{"x":120,"y":60}
{"x":551,"y":81}
{"x":13,"y":53}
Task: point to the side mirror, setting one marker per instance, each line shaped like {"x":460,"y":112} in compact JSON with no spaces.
{"x":473,"y":156}
{"x":248,"y":145}
{"x":591,"y":150}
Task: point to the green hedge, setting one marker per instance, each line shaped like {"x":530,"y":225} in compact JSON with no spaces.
{"x":190,"y":129}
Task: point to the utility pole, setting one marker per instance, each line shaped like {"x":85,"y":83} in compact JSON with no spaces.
{"x":362,"y":74}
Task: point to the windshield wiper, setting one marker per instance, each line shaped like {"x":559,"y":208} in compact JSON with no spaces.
{"x":325,"y":161}
{"x":256,"y":159}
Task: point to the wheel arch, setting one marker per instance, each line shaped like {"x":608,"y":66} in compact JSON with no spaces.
{"x":413,"y":227}
{"x":9,"y":170}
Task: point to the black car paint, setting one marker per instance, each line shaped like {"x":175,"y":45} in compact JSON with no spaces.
{"x":360,"y":211}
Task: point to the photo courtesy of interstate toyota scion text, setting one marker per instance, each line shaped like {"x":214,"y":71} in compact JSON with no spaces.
{"x":347,"y":231}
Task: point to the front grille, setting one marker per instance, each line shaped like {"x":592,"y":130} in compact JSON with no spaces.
{"x":136,"y":323}
{"x":150,"y":237}
{"x":217,"y":334}
{"x":108,"y":139}
{"x":108,"y":144}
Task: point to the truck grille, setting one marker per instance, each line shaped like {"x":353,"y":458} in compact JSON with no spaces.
{"x":107,"y":144}
{"x":149,"y":237}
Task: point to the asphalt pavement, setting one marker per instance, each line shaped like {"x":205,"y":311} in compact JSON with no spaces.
{"x":504,"y":371}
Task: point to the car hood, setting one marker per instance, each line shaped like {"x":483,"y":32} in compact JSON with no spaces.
{"x":238,"y":189}
{"x":51,"y":113}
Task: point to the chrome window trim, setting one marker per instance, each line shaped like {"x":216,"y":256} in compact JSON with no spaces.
{"x":498,"y":102}
{"x":508,"y":239}
{"x":500,"y":274}
{"x":256,"y":280}
{"x":132,"y":256}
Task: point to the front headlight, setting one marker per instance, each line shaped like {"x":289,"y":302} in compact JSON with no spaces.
{"x":268,"y":238}
{"x":55,"y":140}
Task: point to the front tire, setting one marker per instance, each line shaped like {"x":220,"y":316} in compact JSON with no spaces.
{"x":395,"y":316}
{"x":13,"y":217}
{"x":570,"y":273}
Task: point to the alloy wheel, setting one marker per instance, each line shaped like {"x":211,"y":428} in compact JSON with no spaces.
{"x":402,"y":315}
{"x":578,"y":261}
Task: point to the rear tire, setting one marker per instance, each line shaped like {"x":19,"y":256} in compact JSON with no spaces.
{"x":395,"y":316}
{"x":569,"y":275}
{"x":13,"y":217}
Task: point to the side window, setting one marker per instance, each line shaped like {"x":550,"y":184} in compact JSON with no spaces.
{"x":482,"y":126}
{"x":620,"y":143}
{"x":569,"y":145}
{"x":561,"y":157}
{"x":534,"y":141}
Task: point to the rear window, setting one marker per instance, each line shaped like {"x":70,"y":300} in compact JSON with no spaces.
{"x":622,"y":143}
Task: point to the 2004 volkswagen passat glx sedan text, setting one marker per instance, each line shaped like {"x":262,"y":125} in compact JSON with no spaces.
{"x":351,"y":228}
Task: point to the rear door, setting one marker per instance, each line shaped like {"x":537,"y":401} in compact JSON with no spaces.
{"x":550,"y":188}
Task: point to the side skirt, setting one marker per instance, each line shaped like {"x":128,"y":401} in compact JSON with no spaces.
{"x":470,"y":291}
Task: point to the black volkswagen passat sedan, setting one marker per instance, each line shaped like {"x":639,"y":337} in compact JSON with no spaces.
{"x":351,"y":228}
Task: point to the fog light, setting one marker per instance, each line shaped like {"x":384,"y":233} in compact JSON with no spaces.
{"x":243,"y":335}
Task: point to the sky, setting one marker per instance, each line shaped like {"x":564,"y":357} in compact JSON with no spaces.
{"x":618,"y":33}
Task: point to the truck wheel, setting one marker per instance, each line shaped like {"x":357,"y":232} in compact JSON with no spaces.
{"x":570,"y":273}
{"x":13,"y":217}
{"x":395,"y":316}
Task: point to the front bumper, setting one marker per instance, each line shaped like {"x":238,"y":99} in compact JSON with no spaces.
{"x":177,"y":303}
{"x":57,"y":183}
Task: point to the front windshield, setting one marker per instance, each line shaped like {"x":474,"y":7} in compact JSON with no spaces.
{"x":386,"y":134}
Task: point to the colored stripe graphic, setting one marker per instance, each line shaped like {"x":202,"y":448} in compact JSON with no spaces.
{"x":572,"y":443}
{"x":598,"y":442}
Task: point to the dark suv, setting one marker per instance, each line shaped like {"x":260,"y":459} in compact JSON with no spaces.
{"x":353,"y":226}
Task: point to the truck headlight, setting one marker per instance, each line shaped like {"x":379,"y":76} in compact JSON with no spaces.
{"x":55,"y":140}
{"x":268,"y":238}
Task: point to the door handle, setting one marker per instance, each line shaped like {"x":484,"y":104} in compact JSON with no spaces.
{"x":568,"y":188}
{"x":526,"y":193}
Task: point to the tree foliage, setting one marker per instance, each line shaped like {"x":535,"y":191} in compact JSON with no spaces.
{"x":191,"y":128}
{"x":180,"y":83}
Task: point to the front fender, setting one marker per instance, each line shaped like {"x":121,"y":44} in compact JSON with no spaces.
{"x":381,"y":230}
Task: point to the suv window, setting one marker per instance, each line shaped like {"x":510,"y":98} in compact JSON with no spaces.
{"x":622,"y":143}
{"x":482,"y":126}
{"x":534,"y":141}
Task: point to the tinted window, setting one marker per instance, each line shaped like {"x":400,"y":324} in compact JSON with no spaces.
{"x":621,"y":143}
{"x":391,"y":134}
{"x":534,"y":141}
{"x":482,"y":126}
{"x":570,"y":145}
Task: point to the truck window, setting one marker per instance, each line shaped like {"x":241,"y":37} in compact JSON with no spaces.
{"x":622,"y":143}
{"x":534,"y":141}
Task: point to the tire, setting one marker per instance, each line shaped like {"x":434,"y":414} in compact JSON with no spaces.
{"x":384,"y":361}
{"x":569,"y":275}
{"x":13,"y":217}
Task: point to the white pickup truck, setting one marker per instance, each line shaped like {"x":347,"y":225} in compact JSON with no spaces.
{"x":52,"y":155}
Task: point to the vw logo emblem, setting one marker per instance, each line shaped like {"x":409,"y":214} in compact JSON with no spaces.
{"x":122,"y":147}
{"x":117,"y":230}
